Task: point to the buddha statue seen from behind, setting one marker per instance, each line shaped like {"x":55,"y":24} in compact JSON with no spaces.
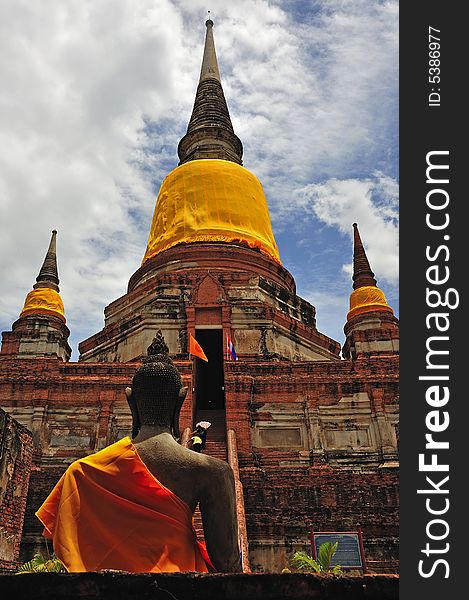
{"x":129,"y":507}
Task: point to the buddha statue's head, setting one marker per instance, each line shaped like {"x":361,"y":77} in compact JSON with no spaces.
{"x":157,"y":393}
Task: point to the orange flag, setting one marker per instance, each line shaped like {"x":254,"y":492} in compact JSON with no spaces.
{"x":196,"y":349}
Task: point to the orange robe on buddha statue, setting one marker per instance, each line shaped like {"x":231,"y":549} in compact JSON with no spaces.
{"x":108,"y":511}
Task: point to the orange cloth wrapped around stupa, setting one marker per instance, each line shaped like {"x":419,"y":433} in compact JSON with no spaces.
{"x":211,"y":200}
{"x":109,"y":512}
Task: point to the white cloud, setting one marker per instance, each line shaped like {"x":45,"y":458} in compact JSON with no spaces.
{"x":373,"y":204}
{"x":76,"y":87}
{"x":328,"y":88}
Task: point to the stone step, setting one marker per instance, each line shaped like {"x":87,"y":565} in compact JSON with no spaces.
{"x":216,"y":449}
{"x":217,"y":430}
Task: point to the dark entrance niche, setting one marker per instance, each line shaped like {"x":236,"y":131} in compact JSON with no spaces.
{"x":209,"y":378}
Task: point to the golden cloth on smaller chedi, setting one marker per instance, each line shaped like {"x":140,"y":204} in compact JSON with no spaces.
{"x":43,"y":300}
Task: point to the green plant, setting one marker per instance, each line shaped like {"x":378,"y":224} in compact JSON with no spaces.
{"x":40,"y":564}
{"x":302,"y":561}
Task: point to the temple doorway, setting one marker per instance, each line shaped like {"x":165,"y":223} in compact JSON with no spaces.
{"x":209,"y":376}
{"x":210,"y":391}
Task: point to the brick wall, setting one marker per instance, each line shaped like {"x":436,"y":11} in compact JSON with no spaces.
{"x":322,"y":482}
{"x":320,"y":499}
{"x":16,"y":451}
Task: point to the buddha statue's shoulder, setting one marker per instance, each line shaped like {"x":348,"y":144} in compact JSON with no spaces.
{"x":167,"y":456}
{"x":198,"y":459}
{"x":210,"y":462}
{"x":211,"y":470}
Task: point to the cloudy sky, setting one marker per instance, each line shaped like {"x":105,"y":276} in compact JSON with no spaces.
{"x":96,"y":94}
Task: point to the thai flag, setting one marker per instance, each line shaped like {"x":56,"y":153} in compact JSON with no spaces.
{"x":230,"y":348}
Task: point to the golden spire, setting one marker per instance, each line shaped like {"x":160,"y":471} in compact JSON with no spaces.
{"x":44,"y":298}
{"x":366,"y":297}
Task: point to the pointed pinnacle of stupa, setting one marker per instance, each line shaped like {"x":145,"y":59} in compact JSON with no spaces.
{"x":48,"y":275}
{"x":209,"y":69}
{"x":210,"y":133}
{"x":366,"y":296}
{"x":362,"y":273}
{"x":44,"y":298}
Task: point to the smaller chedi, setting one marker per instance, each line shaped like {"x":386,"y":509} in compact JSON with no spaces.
{"x":44,"y":298}
{"x":41,"y":327}
{"x":371,"y":326}
{"x":130,"y":506}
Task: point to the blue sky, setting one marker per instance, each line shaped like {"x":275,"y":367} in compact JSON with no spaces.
{"x":96,"y":95}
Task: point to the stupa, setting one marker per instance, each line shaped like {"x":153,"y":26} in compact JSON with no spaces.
{"x":311,"y":435}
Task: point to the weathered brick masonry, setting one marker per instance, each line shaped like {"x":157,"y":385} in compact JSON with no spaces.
{"x":74,"y":409}
{"x":16,"y":450}
{"x":71,"y":410}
